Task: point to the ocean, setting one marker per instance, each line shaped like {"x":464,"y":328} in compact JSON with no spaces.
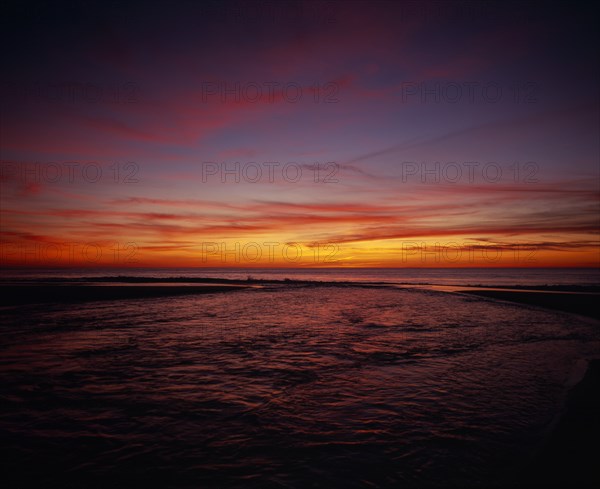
{"x":298,"y":386}
{"x":425,"y":276}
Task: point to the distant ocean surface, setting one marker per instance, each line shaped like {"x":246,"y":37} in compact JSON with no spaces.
{"x":432,"y":276}
{"x":289,"y":387}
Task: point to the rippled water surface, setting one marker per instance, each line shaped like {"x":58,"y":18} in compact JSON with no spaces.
{"x":287,"y":387}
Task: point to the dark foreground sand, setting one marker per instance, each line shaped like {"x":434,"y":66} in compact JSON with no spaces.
{"x":585,"y":304}
{"x":42,"y":294}
{"x":571,"y":457}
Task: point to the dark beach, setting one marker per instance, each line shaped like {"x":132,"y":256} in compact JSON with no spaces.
{"x":565,"y":458}
{"x":581,"y":300}
{"x":42,"y":294}
{"x":571,"y":300}
{"x":123,"y":288}
{"x":569,"y":458}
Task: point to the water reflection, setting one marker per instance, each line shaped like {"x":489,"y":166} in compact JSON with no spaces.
{"x":307,"y":387}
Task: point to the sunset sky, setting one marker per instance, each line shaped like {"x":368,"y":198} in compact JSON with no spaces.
{"x":354,"y":134}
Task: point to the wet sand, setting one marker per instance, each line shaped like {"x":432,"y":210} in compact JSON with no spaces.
{"x":117,"y":288}
{"x":583,"y":303}
{"x":570,"y":456}
{"x":578,"y":300}
{"x":43,"y":294}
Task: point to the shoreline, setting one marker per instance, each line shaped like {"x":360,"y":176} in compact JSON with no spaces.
{"x":582,"y":303}
{"x":574,"y":299}
{"x":569,"y":456}
{"x":566,"y":457}
{"x":42,"y":294}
